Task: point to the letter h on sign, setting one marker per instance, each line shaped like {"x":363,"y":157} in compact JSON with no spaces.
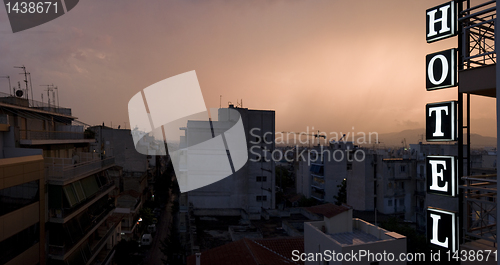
{"x":441,"y":21}
{"x":442,"y":175}
{"x":442,"y":229}
{"x":440,"y":121}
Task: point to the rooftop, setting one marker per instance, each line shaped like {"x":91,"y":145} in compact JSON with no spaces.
{"x":356,"y":237}
{"x":328,"y":210}
{"x":252,"y":252}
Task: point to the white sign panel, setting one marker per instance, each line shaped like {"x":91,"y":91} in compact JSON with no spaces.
{"x":441,"y":69}
{"x":441,"y":121}
{"x":442,"y":229}
{"x":441,"y":21}
{"x":442,"y":175}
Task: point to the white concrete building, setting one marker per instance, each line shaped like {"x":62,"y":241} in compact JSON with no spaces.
{"x":340,"y":233}
{"x":252,"y":187}
{"x":324,"y":168}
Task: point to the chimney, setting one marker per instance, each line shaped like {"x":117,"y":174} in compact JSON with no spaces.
{"x":198,"y":258}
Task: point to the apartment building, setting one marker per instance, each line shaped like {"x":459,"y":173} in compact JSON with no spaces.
{"x":321,"y":169}
{"x":77,"y":203}
{"x":22,"y":196}
{"x":252,"y":187}
{"x":131,"y":176}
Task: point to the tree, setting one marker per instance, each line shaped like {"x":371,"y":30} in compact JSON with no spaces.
{"x":305,"y":202}
{"x":147,"y":216}
{"x":341,"y":196}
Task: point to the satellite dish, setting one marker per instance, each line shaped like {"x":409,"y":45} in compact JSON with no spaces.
{"x":19,"y":93}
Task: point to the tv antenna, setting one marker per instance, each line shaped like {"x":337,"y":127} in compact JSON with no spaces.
{"x":25,"y":78}
{"x":50,"y":88}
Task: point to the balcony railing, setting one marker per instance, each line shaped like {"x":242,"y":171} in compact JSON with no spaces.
{"x":318,"y":185}
{"x":62,"y":169}
{"x":96,"y":221}
{"x":65,"y":212}
{"x":53,"y":135}
{"x":317,"y":195}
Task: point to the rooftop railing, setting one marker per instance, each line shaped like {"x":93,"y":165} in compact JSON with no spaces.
{"x":66,"y":169}
{"x":30,"y":103}
{"x":53,"y":135}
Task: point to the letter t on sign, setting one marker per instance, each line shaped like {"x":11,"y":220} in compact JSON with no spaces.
{"x":440,"y":121}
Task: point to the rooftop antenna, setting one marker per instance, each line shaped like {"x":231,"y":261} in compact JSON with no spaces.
{"x":8,"y":77}
{"x":31,"y":87}
{"x":49,"y":89}
{"x":19,"y":93}
{"x":25,"y":78}
{"x":57,"y":90}
{"x":220,"y":102}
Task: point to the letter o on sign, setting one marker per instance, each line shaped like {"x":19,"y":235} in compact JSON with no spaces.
{"x":441,"y":71}
{"x":444,"y":69}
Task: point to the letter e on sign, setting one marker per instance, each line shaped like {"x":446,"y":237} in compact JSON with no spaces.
{"x":441,"y":69}
{"x":441,"y":175}
{"x":441,"y":22}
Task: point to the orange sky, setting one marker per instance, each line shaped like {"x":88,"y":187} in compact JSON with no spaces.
{"x":331,"y":65}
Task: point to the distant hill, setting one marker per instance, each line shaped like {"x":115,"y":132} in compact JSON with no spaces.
{"x":414,"y":136}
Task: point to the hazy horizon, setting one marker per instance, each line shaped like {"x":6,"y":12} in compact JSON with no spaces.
{"x":331,"y":65}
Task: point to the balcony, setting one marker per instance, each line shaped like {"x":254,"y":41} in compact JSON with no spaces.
{"x":65,"y":170}
{"x":71,"y":134}
{"x":79,"y":233}
{"x":318,"y":185}
{"x":63,"y":215}
{"x":318,"y":195}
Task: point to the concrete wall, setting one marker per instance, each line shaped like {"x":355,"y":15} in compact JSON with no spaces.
{"x":240,"y":190}
{"x":316,"y":241}
{"x":339,"y":223}
{"x":119,"y":143}
{"x":16,"y":171}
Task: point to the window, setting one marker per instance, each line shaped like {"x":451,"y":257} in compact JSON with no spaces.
{"x":403,"y":168}
{"x":19,"y":196}
{"x":261,"y":178}
{"x":18,"y":243}
{"x":389,"y":203}
{"x":261,"y":198}
{"x":401,"y":202}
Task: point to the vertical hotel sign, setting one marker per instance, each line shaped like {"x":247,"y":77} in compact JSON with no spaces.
{"x":442,"y":177}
